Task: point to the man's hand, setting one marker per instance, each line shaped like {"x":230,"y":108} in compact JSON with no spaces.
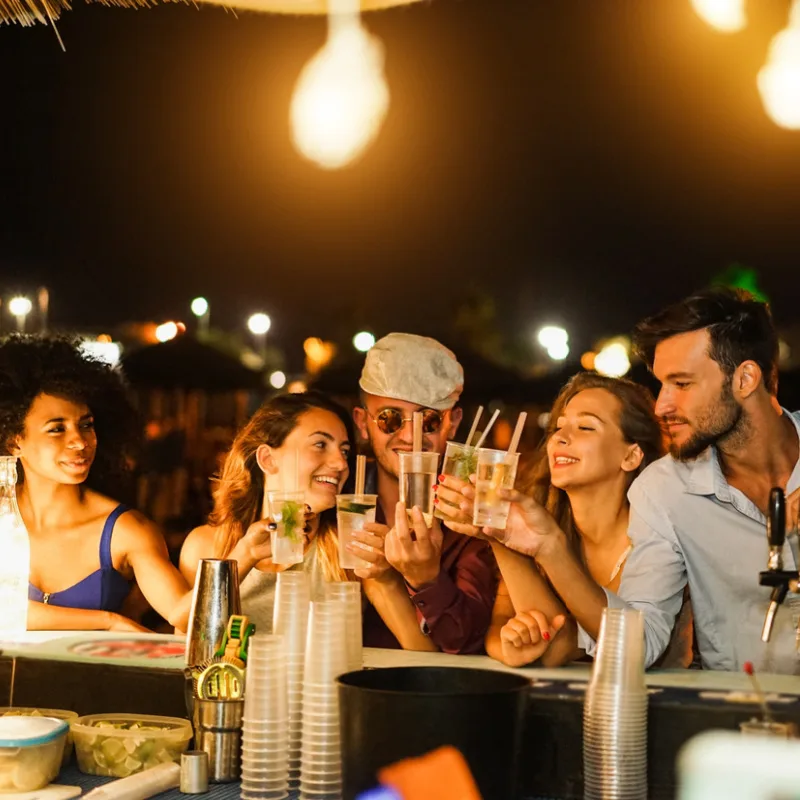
{"x":525,"y":637}
{"x":369,"y":545}
{"x":417,"y":559}
{"x":456,"y":505}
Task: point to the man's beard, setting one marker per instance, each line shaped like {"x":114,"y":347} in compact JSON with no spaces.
{"x":722,"y":421}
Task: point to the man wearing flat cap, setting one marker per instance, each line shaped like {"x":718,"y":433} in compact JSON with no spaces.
{"x":430,"y":589}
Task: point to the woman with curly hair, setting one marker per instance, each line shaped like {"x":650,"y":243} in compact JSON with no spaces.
{"x":67,"y":419}
{"x":602,"y":433}
{"x":307,"y":435}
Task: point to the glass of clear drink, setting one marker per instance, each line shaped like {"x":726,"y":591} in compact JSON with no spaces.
{"x":496,"y":470}
{"x":353,"y":511}
{"x":418,"y":473}
{"x":287,"y":509}
{"x":460,"y":462}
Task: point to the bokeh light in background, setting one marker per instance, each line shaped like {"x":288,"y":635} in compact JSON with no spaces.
{"x":779,"y":78}
{"x":167,"y":331}
{"x":259,"y":324}
{"x":199,"y":306}
{"x":277,"y":380}
{"x":726,"y":16}
{"x":555,"y":340}
{"x":363,"y":341}
{"x":613,"y":360}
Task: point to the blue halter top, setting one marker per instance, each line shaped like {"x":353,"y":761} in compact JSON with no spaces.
{"x":104,"y":590}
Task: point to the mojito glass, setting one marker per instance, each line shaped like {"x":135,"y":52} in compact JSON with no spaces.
{"x":460,"y":462}
{"x":353,"y":511}
{"x":287,"y":509}
{"x":497,"y":469}
{"x":418,"y":473}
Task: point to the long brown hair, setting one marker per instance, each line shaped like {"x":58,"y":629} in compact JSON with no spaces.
{"x":239,"y":490}
{"x":637,"y":421}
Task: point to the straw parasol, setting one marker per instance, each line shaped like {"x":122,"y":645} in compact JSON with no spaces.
{"x":28,"y":12}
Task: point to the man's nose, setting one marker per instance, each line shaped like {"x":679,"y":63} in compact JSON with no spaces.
{"x":665,"y":403}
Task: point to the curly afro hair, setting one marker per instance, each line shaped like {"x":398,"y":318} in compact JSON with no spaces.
{"x":56,"y":365}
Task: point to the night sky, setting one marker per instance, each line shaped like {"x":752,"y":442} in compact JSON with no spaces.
{"x":586,"y":161}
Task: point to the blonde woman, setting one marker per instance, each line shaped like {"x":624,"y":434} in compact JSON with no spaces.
{"x":319,"y":432}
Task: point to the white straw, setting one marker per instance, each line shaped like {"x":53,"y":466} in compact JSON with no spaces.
{"x":474,"y":427}
{"x":488,"y":428}
{"x":512,"y":448}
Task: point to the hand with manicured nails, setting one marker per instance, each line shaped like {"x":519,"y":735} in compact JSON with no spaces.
{"x":256,"y":544}
{"x":368,"y":545}
{"x":454,"y":504}
{"x":417,"y":558}
{"x":526,"y":636}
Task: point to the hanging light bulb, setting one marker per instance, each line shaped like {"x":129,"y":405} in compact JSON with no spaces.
{"x":779,"y":78}
{"x":727,"y":16}
{"x":341,"y":97}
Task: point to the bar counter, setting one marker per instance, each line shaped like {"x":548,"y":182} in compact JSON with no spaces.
{"x":140,"y":673}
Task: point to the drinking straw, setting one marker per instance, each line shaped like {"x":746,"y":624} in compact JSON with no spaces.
{"x":488,"y":428}
{"x":512,"y":448}
{"x":361,"y":473}
{"x":474,"y":427}
{"x":417,"y":435}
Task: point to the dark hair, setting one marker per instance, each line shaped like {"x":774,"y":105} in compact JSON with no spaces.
{"x":56,"y":365}
{"x":239,"y":492}
{"x":740,"y":329}
{"x":637,"y":421}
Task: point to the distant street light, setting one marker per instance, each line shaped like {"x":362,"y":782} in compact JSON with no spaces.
{"x":167,"y":331}
{"x":200,"y":309}
{"x":363,"y":341}
{"x":555,"y":340}
{"x":277,"y":380}
{"x":20,"y":307}
{"x":259,"y":324}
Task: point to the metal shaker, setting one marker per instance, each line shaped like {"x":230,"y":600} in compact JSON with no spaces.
{"x":218,"y":732}
{"x":215,"y":599}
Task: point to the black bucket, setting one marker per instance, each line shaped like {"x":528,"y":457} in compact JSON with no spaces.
{"x":399,"y":712}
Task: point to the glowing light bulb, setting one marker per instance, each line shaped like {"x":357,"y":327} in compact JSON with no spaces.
{"x":341,"y":97}
{"x":726,"y":16}
{"x":779,"y":78}
{"x":167,"y":331}
{"x":277,"y":380}
{"x":363,"y":341}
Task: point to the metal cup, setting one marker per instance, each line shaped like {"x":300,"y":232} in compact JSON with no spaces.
{"x":218,"y":732}
{"x":215,"y":599}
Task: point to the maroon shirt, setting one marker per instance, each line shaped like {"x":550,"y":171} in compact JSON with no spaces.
{"x":456,"y":609}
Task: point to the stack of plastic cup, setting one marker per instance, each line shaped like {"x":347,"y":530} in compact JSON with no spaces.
{"x":290,"y":620}
{"x":265,"y":725}
{"x":349,"y":592}
{"x":615,"y":712}
{"x":326,"y":659}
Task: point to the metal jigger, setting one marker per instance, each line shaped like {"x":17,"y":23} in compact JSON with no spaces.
{"x":216,"y":597}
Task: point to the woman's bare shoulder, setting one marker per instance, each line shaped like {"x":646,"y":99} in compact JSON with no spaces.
{"x":198,"y":544}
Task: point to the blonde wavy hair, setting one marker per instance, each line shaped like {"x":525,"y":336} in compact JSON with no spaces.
{"x":239,"y":491}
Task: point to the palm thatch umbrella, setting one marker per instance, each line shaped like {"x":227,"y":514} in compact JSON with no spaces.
{"x":29,"y":12}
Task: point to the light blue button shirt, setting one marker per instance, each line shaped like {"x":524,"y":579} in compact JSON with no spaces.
{"x":688,"y":524}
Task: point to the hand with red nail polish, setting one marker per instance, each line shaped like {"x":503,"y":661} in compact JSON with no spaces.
{"x":526,"y":636}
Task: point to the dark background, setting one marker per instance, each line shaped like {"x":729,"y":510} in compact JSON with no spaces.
{"x":580,"y":161}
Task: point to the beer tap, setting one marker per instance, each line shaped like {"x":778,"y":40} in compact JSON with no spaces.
{"x":775,"y":575}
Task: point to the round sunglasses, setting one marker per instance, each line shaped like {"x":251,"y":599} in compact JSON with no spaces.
{"x":390,"y":420}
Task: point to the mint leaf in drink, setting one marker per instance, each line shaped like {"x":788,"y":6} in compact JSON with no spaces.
{"x":357,"y":508}
{"x":464,"y":465}
{"x":290,"y":513}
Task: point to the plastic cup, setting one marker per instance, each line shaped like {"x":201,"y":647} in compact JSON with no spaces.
{"x":460,"y":462}
{"x":496,"y":469}
{"x":353,"y":511}
{"x":418,"y":473}
{"x":287,"y":509}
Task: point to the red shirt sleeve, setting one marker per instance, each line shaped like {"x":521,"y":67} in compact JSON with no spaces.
{"x":456,"y":608}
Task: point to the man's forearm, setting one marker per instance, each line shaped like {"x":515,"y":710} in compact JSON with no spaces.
{"x":390,"y":598}
{"x":582,"y":596}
